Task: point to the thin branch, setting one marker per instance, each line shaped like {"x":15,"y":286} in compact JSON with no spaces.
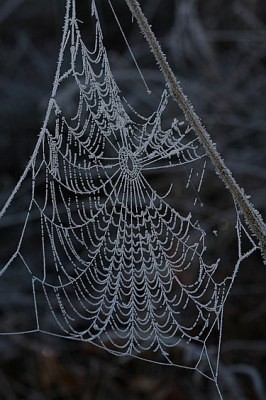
{"x":251,"y":215}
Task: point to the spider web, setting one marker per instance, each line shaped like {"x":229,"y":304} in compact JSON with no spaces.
{"x":118,"y":266}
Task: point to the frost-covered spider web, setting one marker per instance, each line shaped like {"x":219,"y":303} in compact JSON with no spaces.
{"x":118,"y":266}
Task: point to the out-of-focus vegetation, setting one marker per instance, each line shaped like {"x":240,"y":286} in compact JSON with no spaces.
{"x":217,"y":49}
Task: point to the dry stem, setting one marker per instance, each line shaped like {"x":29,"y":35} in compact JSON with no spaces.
{"x":251,"y":215}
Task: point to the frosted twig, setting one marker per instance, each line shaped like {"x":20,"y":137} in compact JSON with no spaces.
{"x":252,"y":216}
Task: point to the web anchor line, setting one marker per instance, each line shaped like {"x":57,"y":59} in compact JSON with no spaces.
{"x":117,"y":266}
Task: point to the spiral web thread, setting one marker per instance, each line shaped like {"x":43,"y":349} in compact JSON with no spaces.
{"x":119,"y":267}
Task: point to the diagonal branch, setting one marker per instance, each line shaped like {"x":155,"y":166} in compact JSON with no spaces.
{"x":252,"y":216}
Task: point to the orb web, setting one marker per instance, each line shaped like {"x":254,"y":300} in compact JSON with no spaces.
{"x":114,"y":264}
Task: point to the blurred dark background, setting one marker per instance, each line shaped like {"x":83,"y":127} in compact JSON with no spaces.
{"x":217,"y":49}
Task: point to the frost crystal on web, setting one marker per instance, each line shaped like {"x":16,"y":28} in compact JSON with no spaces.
{"x":119,"y":267}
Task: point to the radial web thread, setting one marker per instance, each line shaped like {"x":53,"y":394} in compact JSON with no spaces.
{"x":119,"y":267}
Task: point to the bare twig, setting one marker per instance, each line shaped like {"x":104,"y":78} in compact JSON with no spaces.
{"x":251,"y":215}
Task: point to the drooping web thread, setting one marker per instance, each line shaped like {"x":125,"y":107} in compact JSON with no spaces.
{"x":119,"y":267}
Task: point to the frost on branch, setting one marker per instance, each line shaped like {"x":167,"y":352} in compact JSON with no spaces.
{"x":119,"y":267}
